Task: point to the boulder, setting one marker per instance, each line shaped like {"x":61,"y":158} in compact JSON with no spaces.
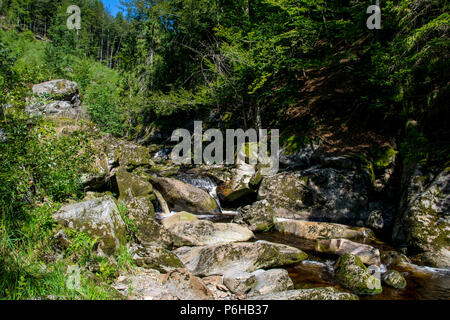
{"x":204,"y":233}
{"x":353,"y":275}
{"x":423,"y":224}
{"x":239,"y":282}
{"x":99,"y":218}
{"x":259,"y":216}
{"x":368,"y":254}
{"x":321,"y":230}
{"x":239,"y":186}
{"x":393,"y":258}
{"x":178,"y":218}
{"x":185,"y":197}
{"x":124,"y":153}
{"x":185,"y":286}
{"x":152,"y":257}
{"x":177,"y":284}
{"x":271,"y":281}
{"x":144,"y":285}
{"x":318,"y":194}
{"x":308,"y":294}
{"x":63,"y":90}
{"x":131,"y":185}
{"x":394,"y":279}
{"x":244,"y":256}
{"x":57,"y":98}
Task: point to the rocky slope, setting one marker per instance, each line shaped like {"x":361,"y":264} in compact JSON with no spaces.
{"x":326,"y":201}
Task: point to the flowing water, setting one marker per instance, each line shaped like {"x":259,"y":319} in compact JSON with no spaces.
{"x":424,"y":283}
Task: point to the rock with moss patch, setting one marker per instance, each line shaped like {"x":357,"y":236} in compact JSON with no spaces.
{"x":185,"y":286}
{"x":99,"y":218}
{"x":393,"y":258}
{"x":177,"y":218}
{"x":324,"y":194}
{"x":185,"y":197}
{"x":243,"y":256}
{"x":203,"y":233}
{"x":239,"y":282}
{"x":423,"y":223}
{"x":239,"y":186}
{"x":394,"y":279}
{"x":321,"y":230}
{"x":353,"y":275}
{"x":131,"y":185}
{"x":259,"y":216}
{"x":270,"y":281}
{"x":153,"y":257}
{"x":368,"y":254}
{"x":328,"y":293}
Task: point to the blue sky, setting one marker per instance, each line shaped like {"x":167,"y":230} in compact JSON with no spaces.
{"x":113,"y":6}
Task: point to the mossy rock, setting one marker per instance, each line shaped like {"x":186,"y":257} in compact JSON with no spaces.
{"x":353,"y":275}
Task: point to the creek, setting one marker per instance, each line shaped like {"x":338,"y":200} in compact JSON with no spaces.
{"x":424,"y":283}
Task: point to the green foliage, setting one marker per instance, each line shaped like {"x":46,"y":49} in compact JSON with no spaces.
{"x":129,"y":222}
{"x":81,"y":247}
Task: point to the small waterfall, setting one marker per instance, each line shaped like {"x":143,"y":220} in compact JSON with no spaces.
{"x":163,"y":204}
{"x":204,"y":183}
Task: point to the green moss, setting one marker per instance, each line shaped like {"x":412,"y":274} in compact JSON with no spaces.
{"x":384,"y":158}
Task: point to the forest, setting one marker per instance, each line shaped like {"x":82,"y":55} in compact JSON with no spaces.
{"x":310,"y":68}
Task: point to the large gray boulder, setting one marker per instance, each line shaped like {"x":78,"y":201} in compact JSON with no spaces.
{"x":423,"y":224}
{"x":185,"y":286}
{"x":57,"y":98}
{"x":321,"y":230}
{"x":185,"y":197}
{"x":319,"y":194}
{"x":154,"y":257}
{"x":259,"y":216}
{"x":270,"y":281}
{"x":244,"y":256}
{"x":99,"y":218}
{"x":203,"y":233}
{"x":62,"y":90}
{"x":307,"y":294}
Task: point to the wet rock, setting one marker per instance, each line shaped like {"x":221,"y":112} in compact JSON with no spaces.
{"x":353,"y":275}
{"x":321,"y":230}
{"x":424,"y":220}
{"x":185,"y":286}
{"x":99,"y":218}
{"x":239,"y":282}
{"x":308,"y":294}
{"x":259,"y":216}
{"x":393,"y":258}
{"x":270,"y":281}
{"x":324,"y":194}
{"x":152,"y":257}
{"x":185,"y":197}
{"x":394,"y":279}
{"x":368,"y":254}
{"x":245,"y":256}
{"x":203,"y":233}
